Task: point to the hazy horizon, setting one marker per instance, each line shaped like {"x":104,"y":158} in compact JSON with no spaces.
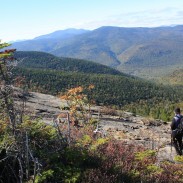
{"x":29,"y":19}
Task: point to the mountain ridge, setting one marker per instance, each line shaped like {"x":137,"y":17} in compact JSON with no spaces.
{"x":131,"y":50}
{"x":42,"y":60}
{"x":67,"y":33}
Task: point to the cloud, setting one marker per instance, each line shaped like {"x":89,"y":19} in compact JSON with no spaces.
{"x":151,"y":18}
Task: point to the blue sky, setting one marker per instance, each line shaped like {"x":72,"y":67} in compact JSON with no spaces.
{"x":26,"y":19}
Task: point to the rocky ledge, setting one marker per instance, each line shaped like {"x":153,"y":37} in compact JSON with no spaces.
{"x":154,"y":134}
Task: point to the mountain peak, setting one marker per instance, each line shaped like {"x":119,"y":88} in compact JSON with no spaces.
{"x":67,"y":33}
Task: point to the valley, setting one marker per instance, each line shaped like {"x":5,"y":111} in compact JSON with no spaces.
{"x":149,"y":53}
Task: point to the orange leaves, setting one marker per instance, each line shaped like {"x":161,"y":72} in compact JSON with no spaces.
{"x":74,"y":94}
{"x":91,"y":86}
{"x":64,"y":97}
{"x":76,"y":90}
{"x":77,"y":100}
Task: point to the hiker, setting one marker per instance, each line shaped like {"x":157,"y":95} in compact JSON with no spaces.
{"x":177,"y":133}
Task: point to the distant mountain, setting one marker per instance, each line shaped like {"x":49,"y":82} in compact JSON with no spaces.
{"x":63,"y":34}
{"x":48,"y":42}
{"x":144,"y":52}
{"x":41,"y":60}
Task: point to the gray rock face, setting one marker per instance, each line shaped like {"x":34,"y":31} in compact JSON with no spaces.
{"x":153,"y":134}
{"x":138,"y":128}
{"x":38,"y":104}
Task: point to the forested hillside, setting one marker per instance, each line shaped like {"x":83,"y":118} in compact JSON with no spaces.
{"x":50,"y":74}
{"x":42,"y":60}
{"x":175,"y":78}
{"x":120,"y":91}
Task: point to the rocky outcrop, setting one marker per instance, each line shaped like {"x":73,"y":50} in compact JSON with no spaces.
{"x":154,"y":134}
{"x":38,"y":104}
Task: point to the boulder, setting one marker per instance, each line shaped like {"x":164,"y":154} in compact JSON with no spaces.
{"x":166,"y":153}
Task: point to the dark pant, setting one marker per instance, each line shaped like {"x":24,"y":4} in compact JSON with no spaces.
{"x":177,"y":142}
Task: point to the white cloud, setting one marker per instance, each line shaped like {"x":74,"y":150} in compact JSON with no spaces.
{"x":152,"y":18}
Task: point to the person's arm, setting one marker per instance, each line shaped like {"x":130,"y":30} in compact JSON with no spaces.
{"x":173,"y":124}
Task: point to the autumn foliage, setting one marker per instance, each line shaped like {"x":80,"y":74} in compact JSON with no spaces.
{"x":78,"y":102}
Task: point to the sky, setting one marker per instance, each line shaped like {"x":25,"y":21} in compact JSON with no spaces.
{"x":26,"y":19}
